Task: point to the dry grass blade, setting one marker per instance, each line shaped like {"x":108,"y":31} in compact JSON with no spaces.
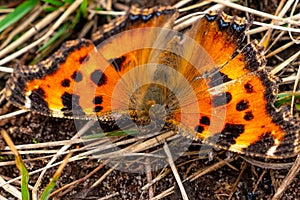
{"x":13,"y":114}
{"x":285,"y":63}
{"x":10,"y":189}
{"x":149,"y":177}
{"x":288,"y":179}
{"x":55,"y":177}
{"x":267,"y":165}
{"x":244,"y":166}
{"x":256,"y":12}
{"x":294,"y":90}
{"x":209,"y":169}
{"x":281,"y":48}
{"x":56,"y":25}
{"x":31,"y":32}
{"x":75,"y":183}
{"x":34,"y":14}
{"x":64,"y":148}
{"x":104,"y":176}
{"x":6,"y":69}
{"x":20,"y":165}
{"x":175,"y":172}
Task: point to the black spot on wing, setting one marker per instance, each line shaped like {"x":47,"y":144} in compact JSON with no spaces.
{"x":98,"y":100}
{"x":221,"y":99}
{"x":71,"y":105}
{"x":98,"y":77}
{"x":98,"y":108}
{"x":242,"y":105}
{"x":199,"y":129}
{"x":77,"y":76}
{"x":38,"y":102}
{"x":248,"y":116}
{"x":205,"y":120}
{"x":65,"y":83}
{"x":248,"y":87}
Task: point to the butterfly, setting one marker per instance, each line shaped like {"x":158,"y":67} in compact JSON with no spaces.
{"x":204,"y":84}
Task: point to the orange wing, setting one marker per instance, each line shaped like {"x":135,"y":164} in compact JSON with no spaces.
{"x":239,"y":94}
{"x":79,"y":79}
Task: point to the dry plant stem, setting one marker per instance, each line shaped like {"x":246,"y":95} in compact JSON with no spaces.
{"x":149,"y":177}
{"x":209,"y":169}
{"x":25,"y":160}
{"x":160,"y":176}
{"x":263,"y":28}
{"x":285,"y":63}
{"x":181,"y":25}
{"x":120,"y":6}
{"x":56,"y":25}
{"x":6,"y":69}
{"x":275,"y":41}
{"x":175,"y":172}
{"x":13,"y":114}
{"x":10,"y":189}
{"x":259,"y":180}
{"x":10,"y":143}
{"x":6,"y":10}
{"x":164,"y":193}
{"x":75,"y":183}
{"x":31,"y":32}
{"x":292,"y":13}
{"x":288,"y":80}
{"x":43,"y":168}
{"x":110,"y":196}
{"x":181,"y":3}
{"x":61,"y":151}
{"x":244,"y":166}
{"x":256,"y":12}
{"x":228,"y":164}
{"x":108,"y":4}
{"x":104,"y":176}
{"x":294,"y":90}
{"x":265,"y":40}
{"x":23,"y":25}
{"x":266,"y":165}
{"x":296,"y":30}
{"x":282,"y":48}
{"x":49,"y":144}
{"x":198,"y":5}
{"x":105,"y":12}
{"x":288,"y":179}
{"x":275,"y":182}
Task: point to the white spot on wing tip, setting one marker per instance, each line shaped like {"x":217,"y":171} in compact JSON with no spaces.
{"x":27,"y":100}
{"x":271,"y":151}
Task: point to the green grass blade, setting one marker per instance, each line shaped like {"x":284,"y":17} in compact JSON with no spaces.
{"x":17,"y":14}
{"x":284,"y":98}
{"x":59,"y":33}
{"x":83,"y":7}
{"x":55,"y":177}
{"x":20,"y":166}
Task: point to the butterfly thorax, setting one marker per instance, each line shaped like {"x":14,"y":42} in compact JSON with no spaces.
{"x":153,"y":102}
